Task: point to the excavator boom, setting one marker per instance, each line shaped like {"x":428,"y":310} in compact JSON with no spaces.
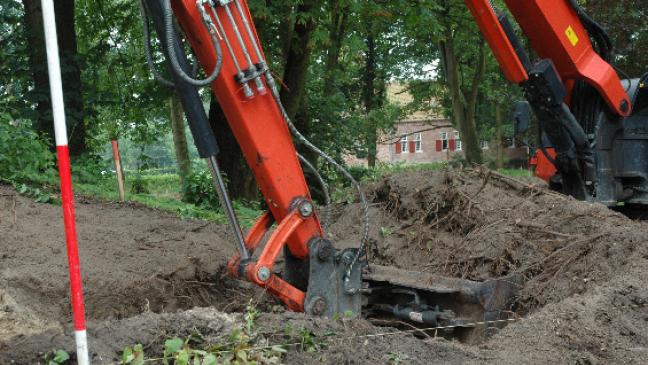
{"x":317,"y":278}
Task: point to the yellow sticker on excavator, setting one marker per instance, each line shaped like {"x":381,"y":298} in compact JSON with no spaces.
{"x":572,"y":36}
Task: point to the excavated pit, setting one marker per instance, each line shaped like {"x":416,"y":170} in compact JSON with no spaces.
{"x":149,"y":276}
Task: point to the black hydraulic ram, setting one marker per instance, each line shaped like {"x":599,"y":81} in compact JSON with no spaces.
{"x":201,"y":131}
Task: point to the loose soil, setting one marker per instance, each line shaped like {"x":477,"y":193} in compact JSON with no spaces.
{"x":149,"y":276}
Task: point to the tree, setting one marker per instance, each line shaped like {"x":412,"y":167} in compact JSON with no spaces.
{"x":297,"y":60}
{"x":463,"y":69}
{"x":70,"y":71}
{"x":239,"y":176}
{"x":179,"y":138}
{"x":625,"y":21}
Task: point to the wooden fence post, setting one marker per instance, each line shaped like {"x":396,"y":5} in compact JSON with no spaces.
{"x":118,"y":169}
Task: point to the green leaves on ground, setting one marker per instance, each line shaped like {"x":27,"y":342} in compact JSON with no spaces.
{"x":133,"y":356}
{"x":57,"y":357}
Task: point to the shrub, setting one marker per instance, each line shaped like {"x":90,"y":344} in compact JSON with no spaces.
{"x":24,"y":156}
{"x":198,"y":189}
{"x":139,"y":185}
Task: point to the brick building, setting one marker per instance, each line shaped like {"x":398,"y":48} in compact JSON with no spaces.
{"x":420,"y":141}
{"x":424,"y":137}
{"x":421,"y":137}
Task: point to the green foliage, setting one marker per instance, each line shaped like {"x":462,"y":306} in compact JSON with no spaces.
{"x":240,"y":349}
{"x":139,"y":185}
{"x":90,"y":169}
{"x":37,"y":194}
{"x":24,"y":157}
{"x":308,"y":341}
{"x":133,"y":356}
{"x":396,"y":358}
{"x":57,"y":357}
{"x":251,"y":314}
{"x":199,"y":190}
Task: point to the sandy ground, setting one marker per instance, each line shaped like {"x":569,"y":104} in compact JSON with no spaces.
{"x":150,"y":276}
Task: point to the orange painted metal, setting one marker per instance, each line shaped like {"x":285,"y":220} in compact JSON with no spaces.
{"x":266,"y":142}
{"x":257,"y":123}
{"x":252,"y":240}
{"x":276,"y":242}
{"x":541,"y":166}
{"x":492,"y":30}
{"x":555,"y":32}
{"x":291,"y":296}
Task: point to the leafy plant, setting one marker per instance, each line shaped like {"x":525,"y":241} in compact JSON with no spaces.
{"x":199,"y":189}
{"x":251,"y":314}
{"x":37,"y":194}
{"x":139,"y":185}
{"x":57,"y":357}
{"x":307,"y":340}
{"x":134,"y":355}
{"x":238,"y":349}
{"x":395,"y":358}
{"x":24,"y":156}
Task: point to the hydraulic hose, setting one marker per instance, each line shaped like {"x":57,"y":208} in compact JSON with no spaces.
{"x":326,"y":219}
{"x":363,"y":199}
{"x":175,"y":66}
{"x":147,"y":47}
{"x":606,"y":47}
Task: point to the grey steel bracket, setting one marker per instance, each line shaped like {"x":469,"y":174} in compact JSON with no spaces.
{"x":326,"y":295}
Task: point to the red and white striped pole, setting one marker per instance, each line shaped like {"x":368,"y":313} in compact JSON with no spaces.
{"x":67,"y":197}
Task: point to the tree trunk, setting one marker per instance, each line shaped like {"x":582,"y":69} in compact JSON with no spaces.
{"x":179,"y":138}
{"x":298,"y":55}
{"x":297,"y":61}
{"x":241,"y":183}
{"x":337,"y":30}
{"x":369,"y":96}
{"x":498,"y":136}
{"x":463,"y":104}
{"x":70,"y":72}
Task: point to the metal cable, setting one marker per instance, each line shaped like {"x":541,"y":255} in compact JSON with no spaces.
{"x":363,"y":199}
{"x":147,"y":48}
{"x":171,"y":39}
{"x":325,"y":190}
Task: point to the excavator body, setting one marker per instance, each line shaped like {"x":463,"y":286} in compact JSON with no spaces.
{"x":319,"y":279}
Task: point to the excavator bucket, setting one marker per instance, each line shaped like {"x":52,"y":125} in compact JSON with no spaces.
{"x":464,"y":308}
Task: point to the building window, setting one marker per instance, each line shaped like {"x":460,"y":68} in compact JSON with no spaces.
{"x":418,"y":142}
{"x":459,"y":147}
{"x":404,"y":144}
{"x":445,"y":143}
{"x":484,"y":145}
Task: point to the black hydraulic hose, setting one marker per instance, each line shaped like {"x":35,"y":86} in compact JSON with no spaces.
{"x":606,"y":47}
{"x":543,"y":149}
{"x":175,"y":66}
{"x":197,"y":119}
{"x":147,"y":47}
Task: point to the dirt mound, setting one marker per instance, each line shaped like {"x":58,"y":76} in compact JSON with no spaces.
{"x":480,"y":225}
{"x":584,"y":298}
{"x":583,"y":301}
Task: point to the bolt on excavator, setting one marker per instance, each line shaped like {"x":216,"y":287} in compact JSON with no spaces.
{"x":594,"y":121}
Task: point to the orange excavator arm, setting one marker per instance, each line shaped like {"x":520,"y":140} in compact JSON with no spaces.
{"x":317,"y":278}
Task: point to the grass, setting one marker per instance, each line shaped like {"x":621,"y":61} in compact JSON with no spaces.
{"x":163,"y":192}
{"x":516,"y":172}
